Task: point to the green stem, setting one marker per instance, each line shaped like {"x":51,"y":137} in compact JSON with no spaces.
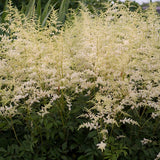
{"x":146,"y":122}
{"x":15,"y":134}
{"x":143,"y":112}
{"x":61,"y":114}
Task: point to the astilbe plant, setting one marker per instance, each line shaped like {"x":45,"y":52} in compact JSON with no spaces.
{"x":126,"y":65}
{"x":111,"y":58}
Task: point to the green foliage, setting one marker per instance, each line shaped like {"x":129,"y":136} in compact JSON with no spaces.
{"x":49,"y":137}
{"x":30,"y":8}
{"x":3,"y":13}
{"x":46,"y":13}
{"x":33,"y":8}
{"x":63,"y":10}
{"x":41,"y":13}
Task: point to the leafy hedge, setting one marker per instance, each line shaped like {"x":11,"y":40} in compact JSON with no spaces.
{"x":87,"y":91}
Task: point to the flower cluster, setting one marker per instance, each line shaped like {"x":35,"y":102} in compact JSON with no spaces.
{"x":158,"y":156}
{"x":146,"y":141}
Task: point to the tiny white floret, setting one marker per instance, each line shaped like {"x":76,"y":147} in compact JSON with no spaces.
{"x":101,"y":146}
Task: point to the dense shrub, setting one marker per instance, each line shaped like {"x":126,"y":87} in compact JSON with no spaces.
{"x":87,"y":91}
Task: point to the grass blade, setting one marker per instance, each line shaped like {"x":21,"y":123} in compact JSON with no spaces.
{"x":45,"y":18}
{"x":63,"y":10}
{"x":39,"y":8}
{"x":45,"y":11}
{"x":23,"y":7}
{"x":30,"y":8}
